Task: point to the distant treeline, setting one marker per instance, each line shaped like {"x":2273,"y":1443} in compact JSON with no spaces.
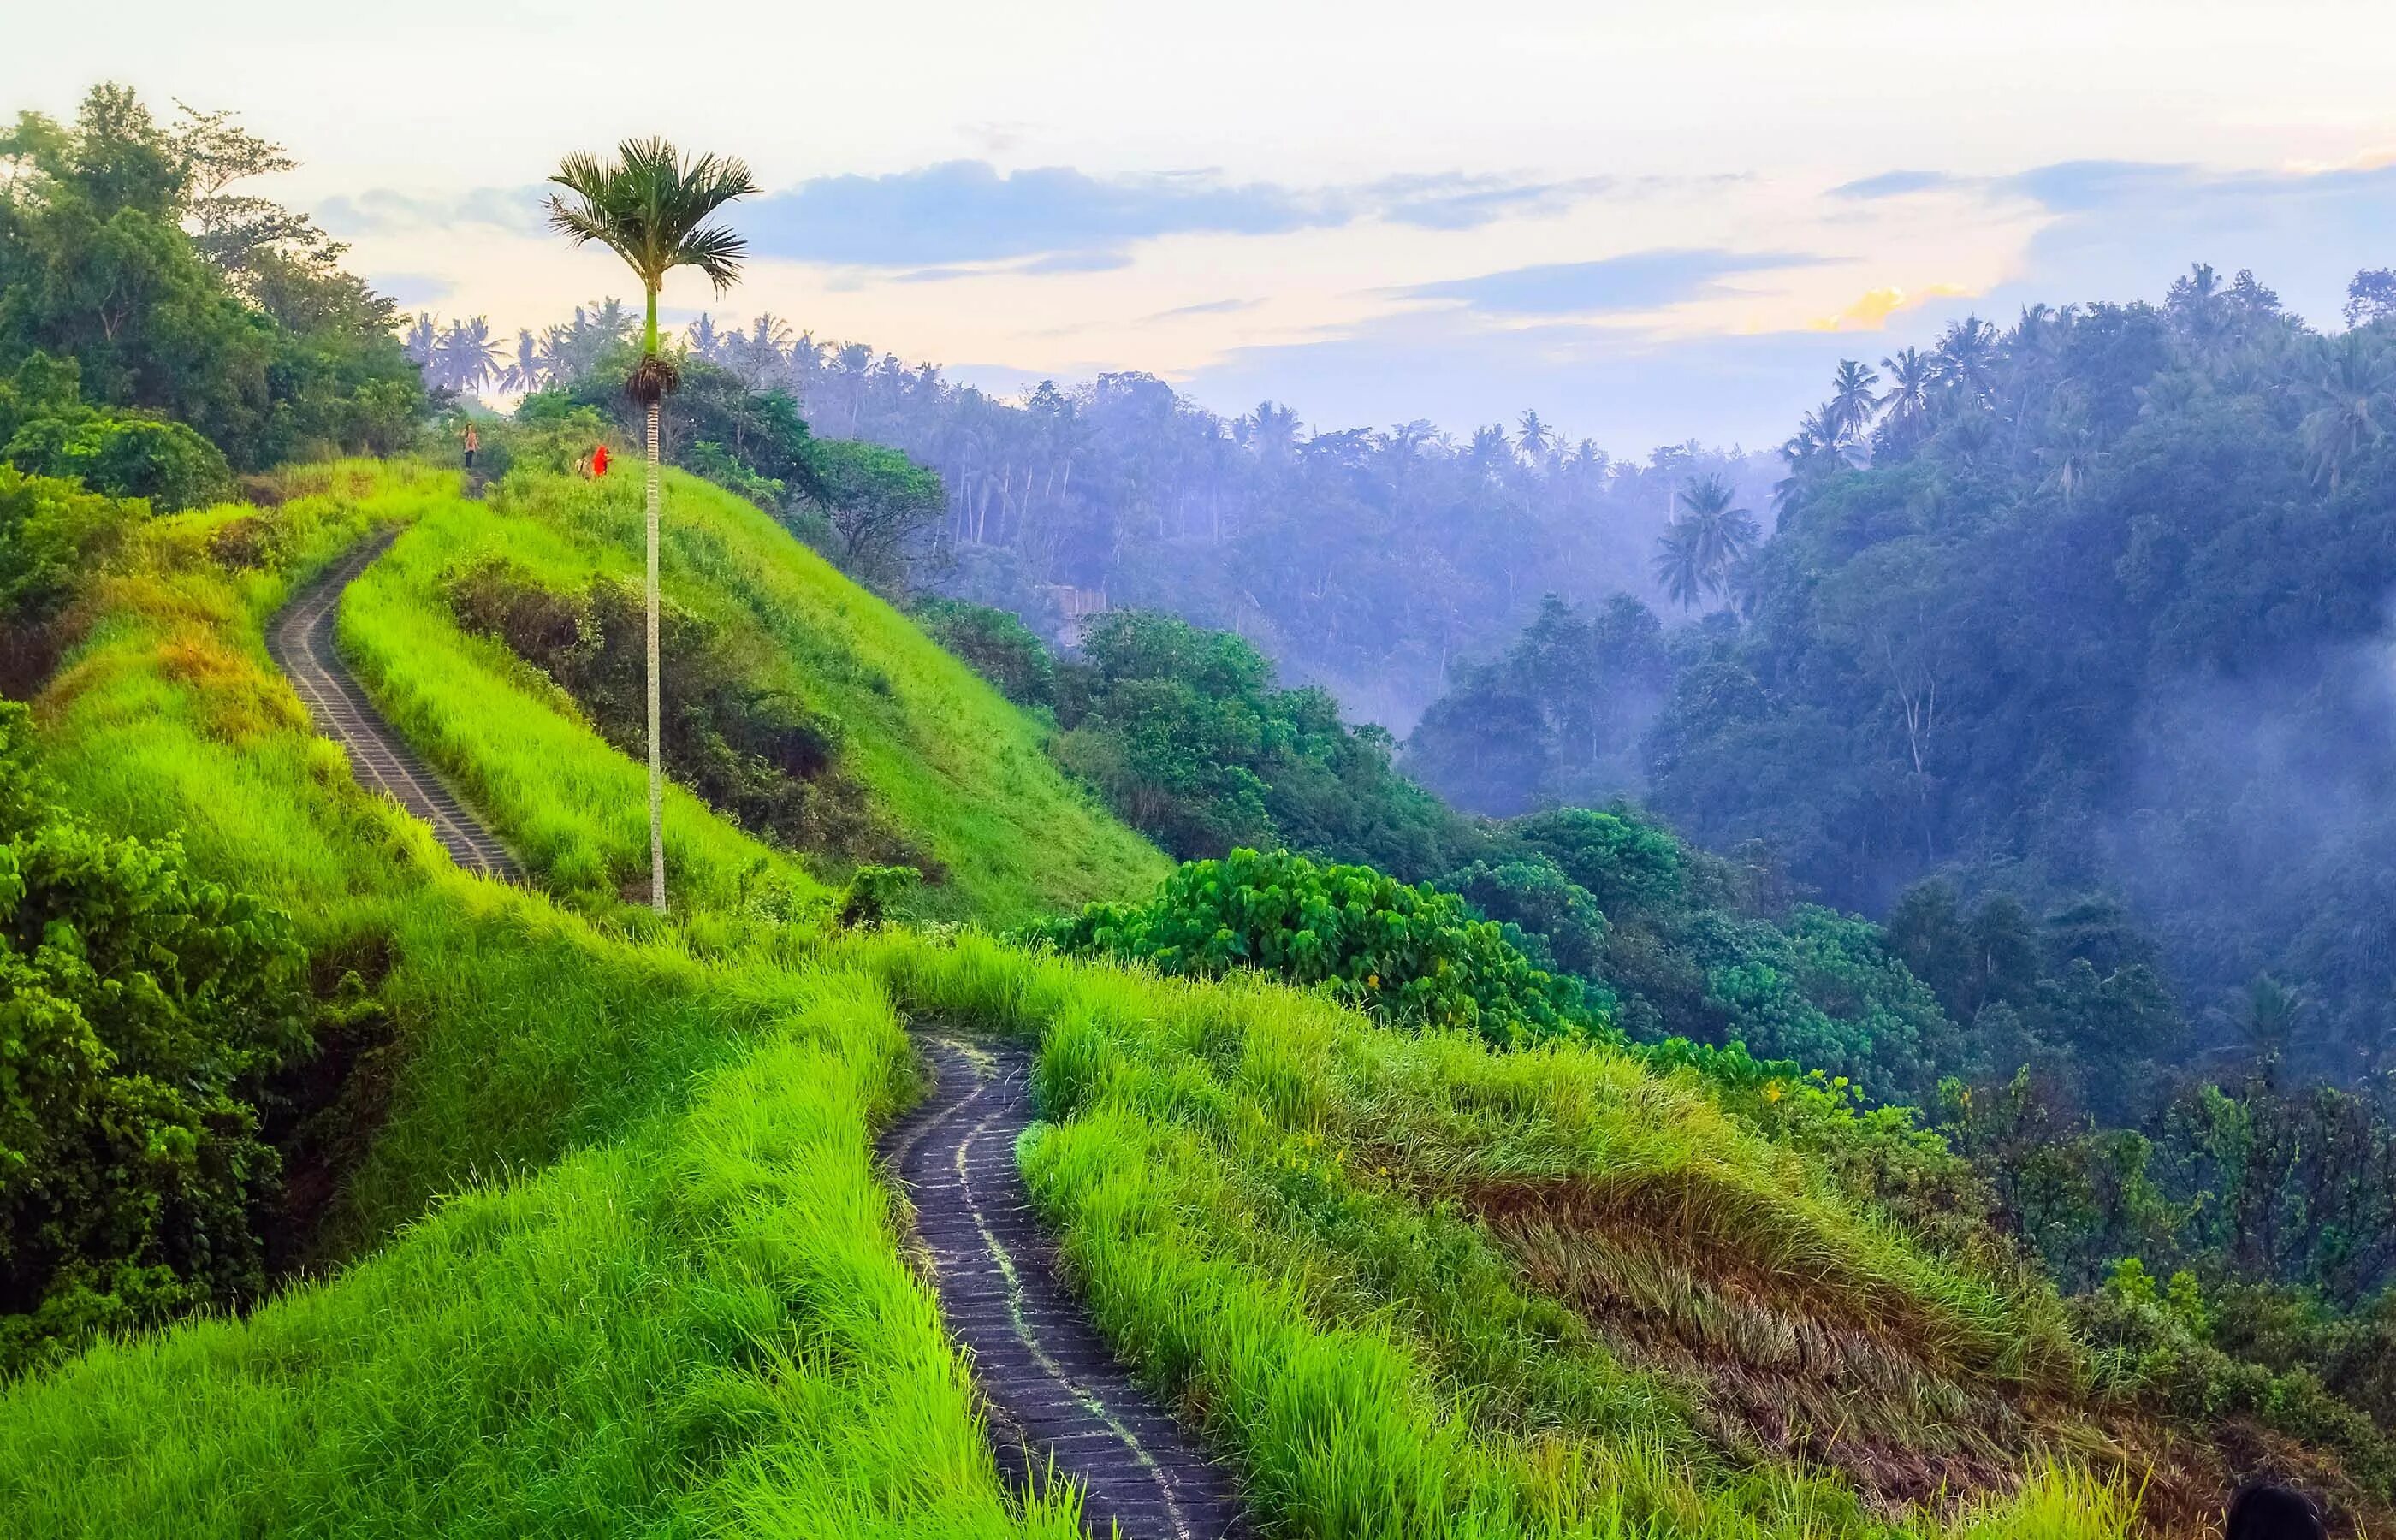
{"x":2094,"y":603}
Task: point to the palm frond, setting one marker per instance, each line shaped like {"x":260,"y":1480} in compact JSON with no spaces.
{"x":650,"y":207}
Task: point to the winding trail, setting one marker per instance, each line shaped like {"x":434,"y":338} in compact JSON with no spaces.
{"x":300,"y":640}
{"x":1055,"y":1393}
{"x":1056,"y":1397}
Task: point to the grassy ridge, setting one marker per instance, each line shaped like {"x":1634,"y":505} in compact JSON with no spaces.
{"x":1260,"y":1193}
{"x":704,"y":1329}
{"x":946,"y":758}
{"x":698,"y":1323}
{"x":671,"y":1296}
{"x":517,"y":1029}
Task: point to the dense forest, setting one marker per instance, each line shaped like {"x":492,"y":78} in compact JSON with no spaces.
{"x":1366,"y":561}
{"x":2092,"y":608}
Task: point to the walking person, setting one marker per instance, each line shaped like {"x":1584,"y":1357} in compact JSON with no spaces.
{"x":473,"y":441}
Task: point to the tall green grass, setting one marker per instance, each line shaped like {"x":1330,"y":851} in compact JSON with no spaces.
{"x":703,"y":1329}
{"x":1256,"y":1193}
{"x":667,"y":1294}
{"x":958,"y":767}
{"x":520,"y":1031}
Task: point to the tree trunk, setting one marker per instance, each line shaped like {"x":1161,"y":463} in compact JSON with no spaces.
{"x":656,"y":753}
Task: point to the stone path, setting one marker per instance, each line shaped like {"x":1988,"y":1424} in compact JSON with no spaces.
{"x":1054,"y":1392}
{"x":300,"y":642}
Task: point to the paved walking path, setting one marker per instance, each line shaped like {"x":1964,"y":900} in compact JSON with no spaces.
{"x":1055,"y":1391}
{"x":300,"y":642}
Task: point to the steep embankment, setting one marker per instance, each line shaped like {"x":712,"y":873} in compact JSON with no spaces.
{"x":1406,"y":1286}
{"x":955,"y":773}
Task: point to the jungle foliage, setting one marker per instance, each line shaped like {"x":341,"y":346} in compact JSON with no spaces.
{"x":1412,"y":955}
{"x":143,"y":1010}
{"x":181,"y":307}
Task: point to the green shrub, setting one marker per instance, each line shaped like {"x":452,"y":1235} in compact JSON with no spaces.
{"x":139,"y":1007}
{"x":124,"y":456}
{"x":760,"y":755}
{"x":51,"y":532}
{"x":1409,"y":954}
{"x":995,"y":645}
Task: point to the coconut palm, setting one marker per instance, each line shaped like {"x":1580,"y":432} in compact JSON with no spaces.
{"x":650,"y":207}
{"x":1722,"y":534}
{"x":466,"y":356}
{"x":2349,"y":383}
{"x":1912,"y":374}
{"x":1852,"y":401}
{"x":1678,"y":567}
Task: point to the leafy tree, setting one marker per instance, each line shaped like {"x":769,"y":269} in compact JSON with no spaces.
{"x":53,"y":535}
{"x":650,"y":207}
{"x":140,"y":1006}
{"x":46,"y":429}
{"x":1557,"y":718}
{"x":998,"y":646}
{"x":247,"y":333}
{"x":1411,"y":954}
{"x":879,"y":504}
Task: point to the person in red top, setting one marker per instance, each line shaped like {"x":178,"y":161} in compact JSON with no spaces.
{"x":599,"y":460}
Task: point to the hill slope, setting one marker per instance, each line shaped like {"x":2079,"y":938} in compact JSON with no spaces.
{"x":1407,"y":1285}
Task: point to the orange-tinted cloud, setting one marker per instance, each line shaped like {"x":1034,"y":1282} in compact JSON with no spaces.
{"x":1873,"y":311}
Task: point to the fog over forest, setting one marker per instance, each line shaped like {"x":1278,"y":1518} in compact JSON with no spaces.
{"x":1981,"y":617}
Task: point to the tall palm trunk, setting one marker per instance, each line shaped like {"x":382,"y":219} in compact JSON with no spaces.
{"x":657,"y":753}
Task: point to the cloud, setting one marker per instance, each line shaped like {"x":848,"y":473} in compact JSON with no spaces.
{"x":2084,"y":186}
{"x":381,"y":212}
{"x":410,"y":288}
{"x":1075,"y":261}
{"x":1457,"y":202}
{"x":2123,"y":229}
{"x":946,"y":221}
{"x":1872,"y":311}
{"x":1894,"y":184}
{"x":968,"y":211}
{"x":1212,"y":307}
{"x":1638,"y":281}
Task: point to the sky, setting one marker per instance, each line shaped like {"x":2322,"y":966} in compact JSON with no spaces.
{"x":1651,"y":221}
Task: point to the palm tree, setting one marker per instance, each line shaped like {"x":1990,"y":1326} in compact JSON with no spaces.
{"x":466,"y":357}
{"x":1852,"y":400}
{"x":1911,"y":373}
{"x":1720,"y":534}
{"x":651,"y":207}
{"x":1967,"y":357}
{"x":1536,"y":437}
{"x":1677,"y":566}
{"x":524,"y":373}
{"x":2351,"y":380}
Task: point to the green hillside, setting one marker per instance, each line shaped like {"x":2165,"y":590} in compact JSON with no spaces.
{"x":619,"y":1257}
{"x":943,"y":756}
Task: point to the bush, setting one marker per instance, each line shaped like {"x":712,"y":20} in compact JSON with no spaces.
{"x":51,"y":531}
{"x":124,"y":456}
{"x":140,"y":1006}
{"x":1408,"y":954}
{"x":760,"y":756}
{"x":995,"y":645}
